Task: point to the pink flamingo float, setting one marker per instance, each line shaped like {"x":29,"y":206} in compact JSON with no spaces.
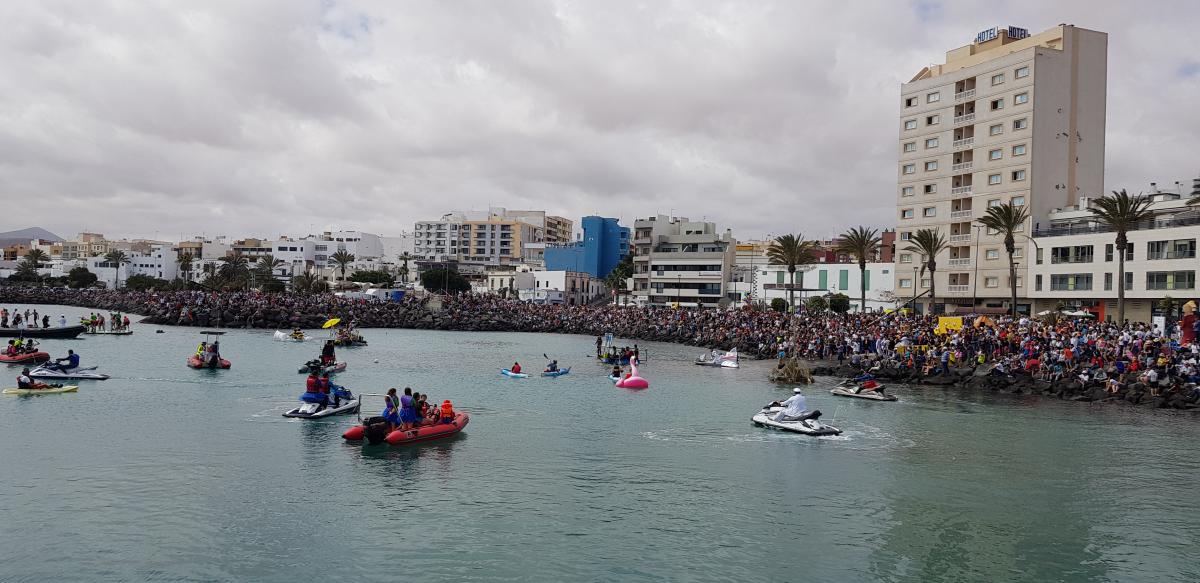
{"x":632,"y":380}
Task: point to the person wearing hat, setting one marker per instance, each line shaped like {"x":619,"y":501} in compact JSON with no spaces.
{"x":794,"y":408}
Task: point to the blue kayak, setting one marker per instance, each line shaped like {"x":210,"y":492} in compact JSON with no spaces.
{"x":558,"y":373}
{"x":515,"y":375}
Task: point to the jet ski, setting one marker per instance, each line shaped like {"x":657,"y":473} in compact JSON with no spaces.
{"x":315,"y":366}
{"x":88,"y":373}
{"x":845,"y":389}
{"x":765,"y":418}
{"x":716,"y":359}
{"x":316,"y":410}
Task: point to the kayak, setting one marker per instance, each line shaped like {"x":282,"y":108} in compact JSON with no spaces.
{"x":194,"y":361}
{"x":331,"y":369}
{"x":49,"y":391}
{"x":88,"y":373}
{"x":613,"y":378}
{"x":813,"y":427}
{"x":27,"y":358}
{"x":558,"y":373}
{"x":371,"y":429}
{"x":317,"y":410}
{"x":875,"y":395}
{"x":515,"y":375}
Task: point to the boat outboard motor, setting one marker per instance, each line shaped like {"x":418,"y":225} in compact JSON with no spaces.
{"x":377,"y":430}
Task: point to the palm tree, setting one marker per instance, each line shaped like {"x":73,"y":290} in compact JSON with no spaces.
{"x":792,"y":250}
{"x":118,"y":258}
{"x":185,"y":260}
{"x":234,"y":271}
{"x":264,"y":270}
{"x":343,"y":259}
{"x":37,"y":257}
{"x":928,"y":243}
{"x":307,"y":282}
{"x":1121,"y":212}
{"x":1008,"y":220}
{"x":403,"y":271}
{"x":863,"y":244}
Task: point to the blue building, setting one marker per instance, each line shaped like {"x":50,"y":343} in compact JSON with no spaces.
{"x":603,"y":246}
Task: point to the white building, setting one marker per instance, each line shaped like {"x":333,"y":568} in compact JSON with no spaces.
{"x":1011,"y":118}
{"x":677,"y":261}
{"x":1075,"y":263}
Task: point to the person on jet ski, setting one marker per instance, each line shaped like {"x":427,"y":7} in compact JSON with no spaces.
{"x":794,"y":408}
{"x":865,"y":382}
{"x":66,"y":363}
{"x":327,"y":353}
{"x":297,"y":333}
{"x":337,"y":391}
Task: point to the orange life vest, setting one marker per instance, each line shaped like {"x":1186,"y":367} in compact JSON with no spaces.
{"x":447,"y":410}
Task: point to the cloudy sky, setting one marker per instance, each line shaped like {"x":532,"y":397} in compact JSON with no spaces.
{"x":268,"y":117}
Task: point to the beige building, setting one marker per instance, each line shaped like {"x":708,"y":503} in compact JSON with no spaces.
{"x":1011,"y":117}
{"x":680,"y":262}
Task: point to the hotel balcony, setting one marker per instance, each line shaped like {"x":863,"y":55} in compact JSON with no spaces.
{"x":961,"y":189}
{"x":962,"y":166}
{"x":961,"y":95}
{"x":958,"y":289}
{"x":961,"y":214}
{"x":965,"y":238}
{"x":962,"y":119}
{"x":961,"y":262}
{"x":963,"y":143}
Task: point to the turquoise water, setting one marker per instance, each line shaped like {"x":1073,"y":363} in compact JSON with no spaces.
{"x":168,"y":474}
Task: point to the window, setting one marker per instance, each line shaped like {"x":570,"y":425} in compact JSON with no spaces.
{"x":1018,"y":150}
{"x":906,"y":214}
{"x":997,"y":78}
{"x":991,"y":254}
{"x":1020,"y":124}
{"x":997,"y":104}
{"x":991,"y":282}
{"x":993,"y":179}
{"x":1020,"y":282}
{"x":910,"y":169}
{"x":995,"y":154}
{"x":933,"y":97}
{"x":991,"y":231}
{"x":1020,"y":98}
{"x":1170,"y":280}
{"x":930,"y":188}
{"x":1021,"y":72}
{"x":906,"y":283}
{"x":996,"y":130}
{"x":924,"y":282}
{"x":1037,"y":282}
{"x":1017,"y":253}
{"x":905,"y":235}
{"x":929,"y":211}
{"x":1177,"y":249}
{"x":1018,"y":175}
{"x":931,"y":165}
{"x":1108,"y":282}
{"x":910,"y":146}
{"x":1071,"y":254}
{"x":910,"y":102}
{"x":906,"y":191}
{"x":1071,"y":282}
{"x":910,"y":124}
{"x":1128,"y":280}
{"x":932,"y":120}
{"x":1018,"y":201}
{"x":904,"y":258}
{"x":993,"y":202}
{"x":931,"y":143}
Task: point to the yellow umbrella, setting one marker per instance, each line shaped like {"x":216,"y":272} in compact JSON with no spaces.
{"x":331,"y":323}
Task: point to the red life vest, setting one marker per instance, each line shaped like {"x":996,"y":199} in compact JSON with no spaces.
{"x":313,"y":385}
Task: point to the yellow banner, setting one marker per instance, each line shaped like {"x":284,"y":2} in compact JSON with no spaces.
{"x":948,"y":323}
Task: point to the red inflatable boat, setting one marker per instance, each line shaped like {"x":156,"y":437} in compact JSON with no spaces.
{"x":423,"y":433}
{"x":27,"y":358}
{"x":195,"y":362}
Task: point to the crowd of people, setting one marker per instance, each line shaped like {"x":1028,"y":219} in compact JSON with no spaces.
{"x":412,"y":409}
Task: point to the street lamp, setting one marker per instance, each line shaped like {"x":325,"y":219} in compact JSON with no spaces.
{"x":975,"y":275}
{"x":914,"y":286}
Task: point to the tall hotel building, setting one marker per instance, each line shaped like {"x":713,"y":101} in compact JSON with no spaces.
{"x":1011,"y":117}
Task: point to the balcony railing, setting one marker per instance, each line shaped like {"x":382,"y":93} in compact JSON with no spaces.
{"x":961,"y":189}
{"x":958,"y":289}
{"x":970,"y":117}
{"x":962,"y":166}
{"x":960,"y":238}
{"x":961,"y":214}
{"x":963,"y":143}
{"x":961,"y":262}
{"x":1057,"y":231}
{"x":964,"y":95}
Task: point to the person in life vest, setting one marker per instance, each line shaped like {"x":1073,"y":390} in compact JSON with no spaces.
{"x":391,"y":409}
{"x":328,"y":388}
{"x":328,"y":356}
{"x":66,"y":363}
{"x":200,"y":348}
{"x":865,"y":382}
{"x":447,"y":413}
{"x":516,"y":368}
{"x":24,"y":381}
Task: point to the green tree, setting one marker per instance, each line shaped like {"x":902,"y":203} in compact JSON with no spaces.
{"x":80,"y":277}
{"x":343,"y":259}
{"x":861,"y":243}
{"x":403,"y":270}
{"x":839,"y":303}
{"x":308,"y":282}
{"x":622,"y":272}
{"x":1008,"y":220}
{"x":442,"y":280}
{"x":779,"y":304}
{"x":379,"y":278}
{"x":792,"y":251}
{"x":1122,"y":213}
{"x":117,"y":258}
{"x":817,"y":304}
{"x":142,"y":282}
{"x":264,"y":272}
{"x":234,"y":272}
{"x":37,"y":257}
{"x":928,"y":243}
{"x":185,"y":261}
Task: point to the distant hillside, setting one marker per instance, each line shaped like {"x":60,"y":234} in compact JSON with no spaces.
{"x":24,"y":236}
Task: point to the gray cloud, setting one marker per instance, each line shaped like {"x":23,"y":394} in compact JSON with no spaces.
{"x":266,"y":117}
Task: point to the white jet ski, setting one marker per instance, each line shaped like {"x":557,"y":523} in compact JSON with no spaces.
{"x":846,"y":390}
{"x":765,"y":418}
{"x":86,"y":372}
{"x":317,"y":410}
{"x":716,"y":359}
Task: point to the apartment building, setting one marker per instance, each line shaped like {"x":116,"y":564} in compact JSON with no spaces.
{"x":1075,"y":262}
{"x":1011,"y":117}
{"x":680,"y":262}
{"x":497,"y":237}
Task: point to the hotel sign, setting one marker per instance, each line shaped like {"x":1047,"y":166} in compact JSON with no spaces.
{"x":1014,"y":33}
